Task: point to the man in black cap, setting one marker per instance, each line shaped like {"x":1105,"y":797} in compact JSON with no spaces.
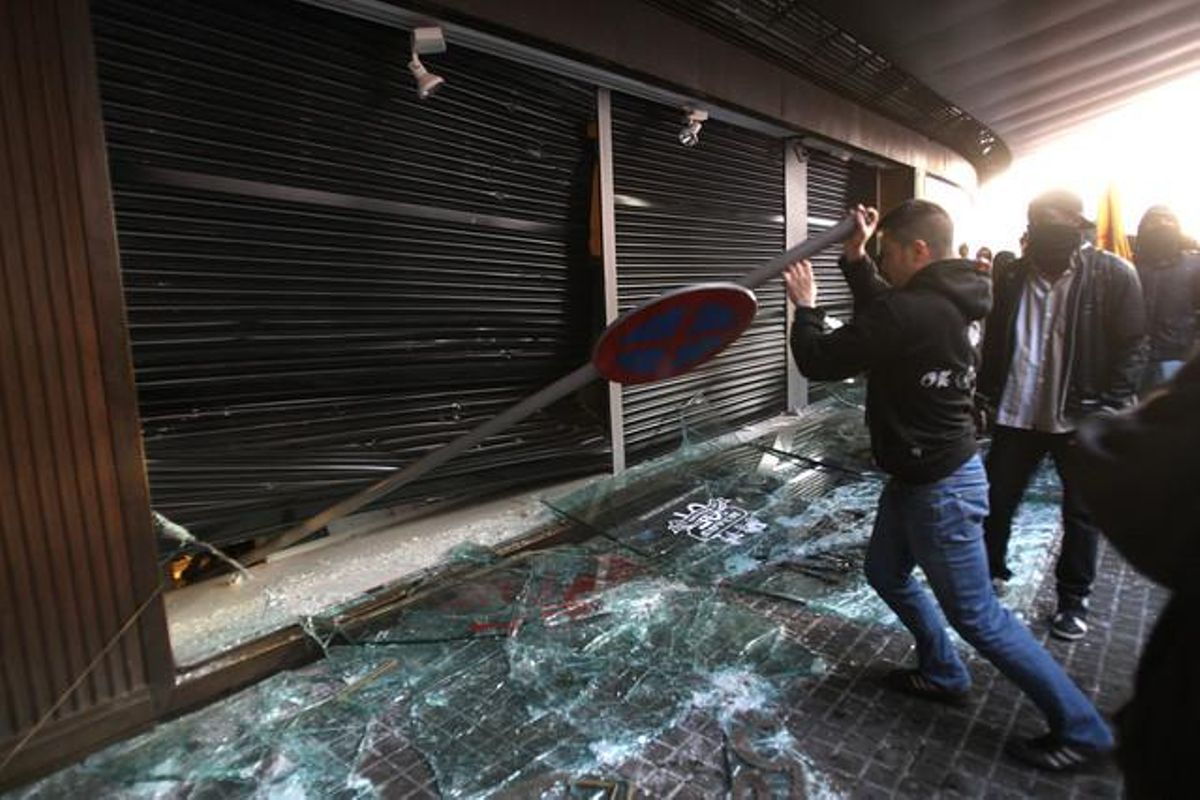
{"x":1065,"y":340}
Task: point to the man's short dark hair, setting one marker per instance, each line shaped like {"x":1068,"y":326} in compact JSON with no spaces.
{"x":921,"y":219}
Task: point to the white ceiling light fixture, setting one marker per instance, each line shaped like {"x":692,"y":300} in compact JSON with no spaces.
{"x":426,"y":41}
{"x":689,"y":134}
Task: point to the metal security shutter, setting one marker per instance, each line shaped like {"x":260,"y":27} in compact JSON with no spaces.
{"x":327,"y":278}
{"x":684,"y":215}
{"x":834,"y":185}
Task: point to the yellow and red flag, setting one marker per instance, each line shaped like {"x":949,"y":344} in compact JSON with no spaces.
{"x":1110,"y":228}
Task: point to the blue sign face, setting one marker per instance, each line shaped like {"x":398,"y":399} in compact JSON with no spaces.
{"x":673,"y":334}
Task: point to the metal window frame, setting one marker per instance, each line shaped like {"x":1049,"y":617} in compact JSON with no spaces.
{"x":608,"y":229}
{"x":795,"y":185}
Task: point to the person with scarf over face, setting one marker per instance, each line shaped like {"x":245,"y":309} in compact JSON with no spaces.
{"x":1065,"y":341}
{"x":1171,"y":286}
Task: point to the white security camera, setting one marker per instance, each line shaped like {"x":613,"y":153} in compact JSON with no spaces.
{"x":427,"y":82}
{"x":689,"y":134}
{"x":425,"y":41}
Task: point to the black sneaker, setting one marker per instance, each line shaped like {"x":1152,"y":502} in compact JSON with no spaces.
{"x":1054,"y":755}
{"x":1068,"y":624}
{"x":1000,"y":586}
{"x":911,"y":681}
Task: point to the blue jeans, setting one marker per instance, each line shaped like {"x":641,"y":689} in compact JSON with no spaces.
{"x":939,"y":526}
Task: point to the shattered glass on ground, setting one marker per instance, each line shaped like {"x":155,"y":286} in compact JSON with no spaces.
{"x":595,"y":658}
{"x":541,"y":674}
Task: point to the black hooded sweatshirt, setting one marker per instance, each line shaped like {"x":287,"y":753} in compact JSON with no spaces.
{"x":1170,"y":285}
{"x":919,"y":347}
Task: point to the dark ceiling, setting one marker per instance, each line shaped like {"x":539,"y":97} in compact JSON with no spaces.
{"x":986,"y":77}
{"x":1030,"y":69}
{"x":809,"y":44}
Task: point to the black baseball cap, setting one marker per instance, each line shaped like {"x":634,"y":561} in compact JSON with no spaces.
{"x":1060,"y":200}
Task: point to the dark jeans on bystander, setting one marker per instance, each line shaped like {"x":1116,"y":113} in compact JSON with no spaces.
{"x":1014,"y":456}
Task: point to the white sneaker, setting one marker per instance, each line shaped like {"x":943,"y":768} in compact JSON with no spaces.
{"x":1068,"y":625}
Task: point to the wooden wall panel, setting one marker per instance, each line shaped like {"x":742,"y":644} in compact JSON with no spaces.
{"x":77,"y":553}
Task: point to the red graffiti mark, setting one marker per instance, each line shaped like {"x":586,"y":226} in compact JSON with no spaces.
{"x":554,"y":603}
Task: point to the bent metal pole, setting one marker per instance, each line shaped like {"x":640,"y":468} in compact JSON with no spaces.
{"x":535,"y":402}
{"x":435,"y":458}
{"x":806,"y":249}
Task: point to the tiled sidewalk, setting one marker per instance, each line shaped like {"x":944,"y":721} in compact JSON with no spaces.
{"x":866,"y":742}
{"x":871,"y":743}
{"x":837,"y":735}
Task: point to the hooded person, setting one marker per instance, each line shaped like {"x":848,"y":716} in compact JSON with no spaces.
{"x":1170,"y":279}
{"x":916,"y":335}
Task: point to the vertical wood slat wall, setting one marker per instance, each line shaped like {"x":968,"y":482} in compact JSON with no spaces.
{"x":77,"y":552}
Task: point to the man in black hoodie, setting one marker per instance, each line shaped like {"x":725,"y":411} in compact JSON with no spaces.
{"x":917,"y":337}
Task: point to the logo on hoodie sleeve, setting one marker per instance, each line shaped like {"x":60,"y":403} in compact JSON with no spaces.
{"x":948,"y":378}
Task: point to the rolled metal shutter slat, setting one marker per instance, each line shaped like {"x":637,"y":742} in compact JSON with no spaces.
{"x":686,"y":215}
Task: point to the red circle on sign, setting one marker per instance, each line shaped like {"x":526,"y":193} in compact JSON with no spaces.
{"x":675,"y":333}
